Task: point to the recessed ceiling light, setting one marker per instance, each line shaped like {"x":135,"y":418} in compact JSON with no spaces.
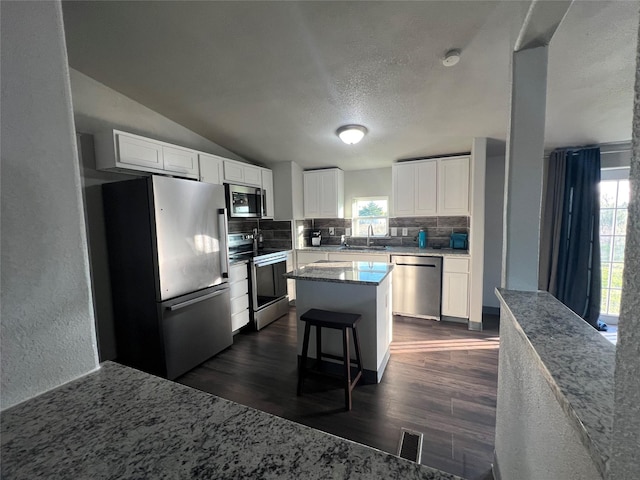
{"x":451,"y":58}
{"x":351,"y":134}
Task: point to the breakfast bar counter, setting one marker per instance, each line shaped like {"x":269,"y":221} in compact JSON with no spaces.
{"x":350,"y":287}
{"x":120,"y":423}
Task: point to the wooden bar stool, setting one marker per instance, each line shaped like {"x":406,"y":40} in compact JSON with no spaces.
{"x":337,"y":321}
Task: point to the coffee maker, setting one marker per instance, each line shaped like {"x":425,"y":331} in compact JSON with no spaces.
{"x":316,"y":238}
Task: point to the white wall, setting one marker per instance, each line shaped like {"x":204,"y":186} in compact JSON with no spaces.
{"x":494,"y":205}
{"x":98,"y":108}
{"x":287,"y":190}
{"x":366,"y":183}
{"x":47,"y":320}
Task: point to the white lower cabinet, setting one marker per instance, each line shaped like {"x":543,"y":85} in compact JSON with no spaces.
{"x":304,"y":257}
{"x":239,"y":292}
{"x":291,"y":284}
{"x":455,"y":287}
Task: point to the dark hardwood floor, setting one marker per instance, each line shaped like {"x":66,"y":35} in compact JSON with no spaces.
{"x":441,"y":380}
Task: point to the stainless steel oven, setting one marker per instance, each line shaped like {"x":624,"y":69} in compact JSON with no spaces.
{"x":268,"y":298}
{"x":243,"y":201}
{"x":268,"y":288}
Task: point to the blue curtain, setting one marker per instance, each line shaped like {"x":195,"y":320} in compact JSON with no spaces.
{"x":577,"y":281}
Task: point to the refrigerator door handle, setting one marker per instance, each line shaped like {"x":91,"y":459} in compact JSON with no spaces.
{"x":224,"y":245}
{"x":180,"y":305}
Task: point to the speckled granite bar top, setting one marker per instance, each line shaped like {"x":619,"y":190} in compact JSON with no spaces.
{"x":119,"y":423}
{"x":363,"y":273}
{"x":430,"y":252}
{"x":577,"y":360}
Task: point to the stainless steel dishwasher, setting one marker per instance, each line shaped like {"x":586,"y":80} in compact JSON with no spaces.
{"x":417,"y":286}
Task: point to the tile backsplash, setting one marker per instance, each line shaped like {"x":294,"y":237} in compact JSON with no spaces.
{"x":275,"y":234}
{"x":439,"y":229}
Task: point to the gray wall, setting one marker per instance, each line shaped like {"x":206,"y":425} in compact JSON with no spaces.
{"x":494,"y":206}
{"x":626,"y":422}
{"x":47,"y":320}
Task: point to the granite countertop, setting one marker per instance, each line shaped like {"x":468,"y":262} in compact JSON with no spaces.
{"x":120,"y":423}
{"x":431,"y":252}
{"x":362,"y":273}
{"x":577,"y":361}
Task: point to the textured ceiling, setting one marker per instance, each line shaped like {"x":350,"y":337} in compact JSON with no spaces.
{"x":272,"y":81}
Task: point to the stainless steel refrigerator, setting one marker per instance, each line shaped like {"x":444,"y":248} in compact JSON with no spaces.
{"x":168,"y":263}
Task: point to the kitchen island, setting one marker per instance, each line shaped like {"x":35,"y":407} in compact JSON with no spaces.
{"x":119,"y":423}
{"x":351,"y":287}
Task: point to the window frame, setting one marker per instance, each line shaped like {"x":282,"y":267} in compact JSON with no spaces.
{"x":355,"y":217}
{"x":608,"y":175}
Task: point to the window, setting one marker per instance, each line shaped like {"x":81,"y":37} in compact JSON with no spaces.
{"x":370,"y":211}
{"x":614,"y":198}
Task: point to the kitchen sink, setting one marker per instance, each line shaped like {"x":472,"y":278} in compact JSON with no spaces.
{"x":359,"y":247}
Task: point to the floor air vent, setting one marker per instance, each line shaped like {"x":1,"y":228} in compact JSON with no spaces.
{"x":410,"y":446}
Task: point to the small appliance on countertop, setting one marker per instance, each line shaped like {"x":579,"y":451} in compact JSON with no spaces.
{"x":316,"y":238}
{"x":459,"y":241}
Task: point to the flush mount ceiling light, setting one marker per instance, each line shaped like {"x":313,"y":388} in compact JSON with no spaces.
{"x":451,"y":58}
{"x":351,"y":134}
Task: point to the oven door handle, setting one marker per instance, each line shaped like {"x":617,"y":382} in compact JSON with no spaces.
{"x":269,"y":261}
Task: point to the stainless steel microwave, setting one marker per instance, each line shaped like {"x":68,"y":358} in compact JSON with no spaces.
{"x":243,"y":201}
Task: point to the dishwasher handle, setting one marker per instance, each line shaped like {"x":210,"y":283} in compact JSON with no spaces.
{"x":430,"y":265}
{"x":416,"y":261}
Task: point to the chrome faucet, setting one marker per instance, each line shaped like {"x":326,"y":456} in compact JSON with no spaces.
{"x":369,"y":234}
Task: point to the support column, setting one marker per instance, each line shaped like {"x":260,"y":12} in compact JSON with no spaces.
{"x":476,"y":240}
{"x":523,"y":186}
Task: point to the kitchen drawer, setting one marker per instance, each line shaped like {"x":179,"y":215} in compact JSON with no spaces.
{"x":239,"y":288}
{"x":239,"y":320}
{"x":456,"y":265}
{"x":358,"y":257}
{"x":305,"y":257}
{"x":238,"y":272}
{"x":239,"y":304}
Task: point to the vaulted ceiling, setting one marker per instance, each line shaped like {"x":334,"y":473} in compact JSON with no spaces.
{"x":272,"y":81}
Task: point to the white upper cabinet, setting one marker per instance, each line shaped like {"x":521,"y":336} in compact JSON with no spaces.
{"x":181,"y":160}
{"x":267,"y":192}
{"x":242,"y":173}
{"x":438,"y":186}
{"x":324,"y":193}
{"x":135,"y":151}
{"x":426,"y":186}
{"x":403,"y":189}
{"x":210,"y":168}
{"x":129,"y":153}
{"x":453,"y":186}
{"x":414,"y":188}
